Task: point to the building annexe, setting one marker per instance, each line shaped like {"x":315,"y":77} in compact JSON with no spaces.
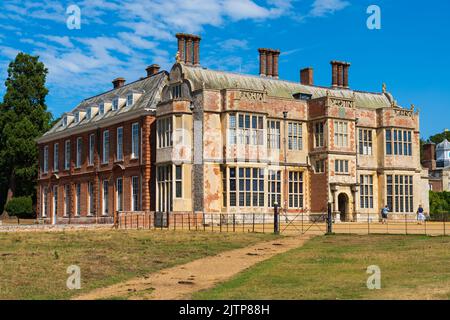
{"x":194,"y":140}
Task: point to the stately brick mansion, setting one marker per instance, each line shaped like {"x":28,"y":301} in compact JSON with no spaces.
{"x":197,"y":140}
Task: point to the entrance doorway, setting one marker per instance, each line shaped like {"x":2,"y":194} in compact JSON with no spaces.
{"x":343,"y":206}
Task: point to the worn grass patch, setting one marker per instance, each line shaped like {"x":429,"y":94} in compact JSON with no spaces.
{"x":334,"y":267}
{"x":33,"y":265}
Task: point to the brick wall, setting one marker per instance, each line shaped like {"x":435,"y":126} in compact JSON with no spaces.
{"x":98,"y":172}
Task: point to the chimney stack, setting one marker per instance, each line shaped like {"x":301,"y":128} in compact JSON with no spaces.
{"x":152,"y":70}
{"x":429,"y":152}
{"x":118,"y":83}
{"x":307,"y":76}
{"x":268,"y":62}
{"x":189,"y":48}
{"x":339,"y":74}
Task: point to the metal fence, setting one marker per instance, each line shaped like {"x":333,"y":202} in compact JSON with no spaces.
{"x":287,"y":223}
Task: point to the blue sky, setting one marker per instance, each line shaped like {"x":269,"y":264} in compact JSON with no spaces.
{"x":120,"y":38}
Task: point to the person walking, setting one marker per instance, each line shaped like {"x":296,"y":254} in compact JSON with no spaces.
{"x":420,"y":215}
{"x":384,"y":214}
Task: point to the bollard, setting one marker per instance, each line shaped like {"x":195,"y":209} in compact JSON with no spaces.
{"x":276,"y":227}
{"x":329,"y":220}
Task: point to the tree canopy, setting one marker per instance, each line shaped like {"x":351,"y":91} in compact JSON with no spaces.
{"x":23,"y":118}
{"x":438,"y":138}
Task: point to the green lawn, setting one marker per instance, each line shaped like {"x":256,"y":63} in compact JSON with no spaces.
{"x":334,"y":267}
{"x":33,"y":265}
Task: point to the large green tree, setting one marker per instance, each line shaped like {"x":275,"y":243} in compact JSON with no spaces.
{"x":438,"y":138}
{"x":23,"y":118}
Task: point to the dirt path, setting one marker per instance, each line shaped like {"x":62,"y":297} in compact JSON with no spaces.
{"x":181,"y":281}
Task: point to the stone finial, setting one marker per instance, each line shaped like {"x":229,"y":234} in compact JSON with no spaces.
{"x":384,"y":87}
{"x":412,"y":107}
{"x":177,"y":57}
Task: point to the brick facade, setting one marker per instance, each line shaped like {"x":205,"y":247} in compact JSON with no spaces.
{"x":215,"y":142}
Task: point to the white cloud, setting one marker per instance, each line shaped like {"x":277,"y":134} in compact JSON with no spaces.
{"x":84,"y":62}
{"x":136,"y":41}
{"x":233,"y":44}
{"x":321,"y":8}
{"x":63,"y":41}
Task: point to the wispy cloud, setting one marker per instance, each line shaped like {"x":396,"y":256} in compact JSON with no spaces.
{"x":321,"y":8}
{"x":120,"y":37}
{"x":233,"y":44}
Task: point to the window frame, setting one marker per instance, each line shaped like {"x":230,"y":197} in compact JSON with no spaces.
{"x":365,"y":142}
{"x":273,"y":134}
{"x":56,"y":157}
{"x":105,"y":147}
{"x":366,"y":191}
{"x":295,"y":136}
{"x":319,"y":134}
{"x":91,"y":149}
{"x":45,"y":163}
{"x":400,"y":193}
{"x":119,"y":194}
{"x":119,"y":144}
{"x":79,"y":153}
{"x":67,"y":154}
{"x":398,"y":142}
{"x":105,"y":197}
{"x":342,"y":166}
{"x":135,"y":137}
{"x":295,"y":190}
{"x":129,"y":104}
{"x":78,"y":199}
{"x":90,"y":196}
{"x":341,"y":135}
{"x":274,"y":188}
{"x":178,"y":181}
{"x":164,"y":127}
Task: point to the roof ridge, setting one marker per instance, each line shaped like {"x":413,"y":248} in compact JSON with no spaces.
{"x":279,"y":80}
{"x":127,"y":84}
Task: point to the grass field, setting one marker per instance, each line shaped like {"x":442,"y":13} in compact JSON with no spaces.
{"x":334,"y":267}
{"x":33,"y":264}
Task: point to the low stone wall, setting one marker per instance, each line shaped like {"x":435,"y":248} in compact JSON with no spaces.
{"x":59,"y":227}
{"x":77,"y":220}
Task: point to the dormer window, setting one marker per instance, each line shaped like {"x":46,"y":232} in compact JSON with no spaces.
{"x":302,"y":96}
{"x":77,"y":117}
{"x":130,"y":100}
{"x":115,"y":104}
{"x":64,"y":123}
{"x":102,"y":109}
{"x":89,"y":113}
{"x":176,"y":91}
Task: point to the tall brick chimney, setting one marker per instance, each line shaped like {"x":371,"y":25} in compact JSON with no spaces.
{"x":152,"y":70}
{"x":429,"y":156}
{"x":339,"y":74}
{"x":268,"y":62}
{"x":118,"y":82}
{"x":307,"y":76}
{"x":189,"y":48}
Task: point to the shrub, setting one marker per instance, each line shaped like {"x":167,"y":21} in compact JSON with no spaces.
{"x":439,"y":204}
{"x":21,"y":207}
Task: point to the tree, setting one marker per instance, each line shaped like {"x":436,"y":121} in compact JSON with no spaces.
{"x":438,"y":138}
{"x":23,"y":118}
